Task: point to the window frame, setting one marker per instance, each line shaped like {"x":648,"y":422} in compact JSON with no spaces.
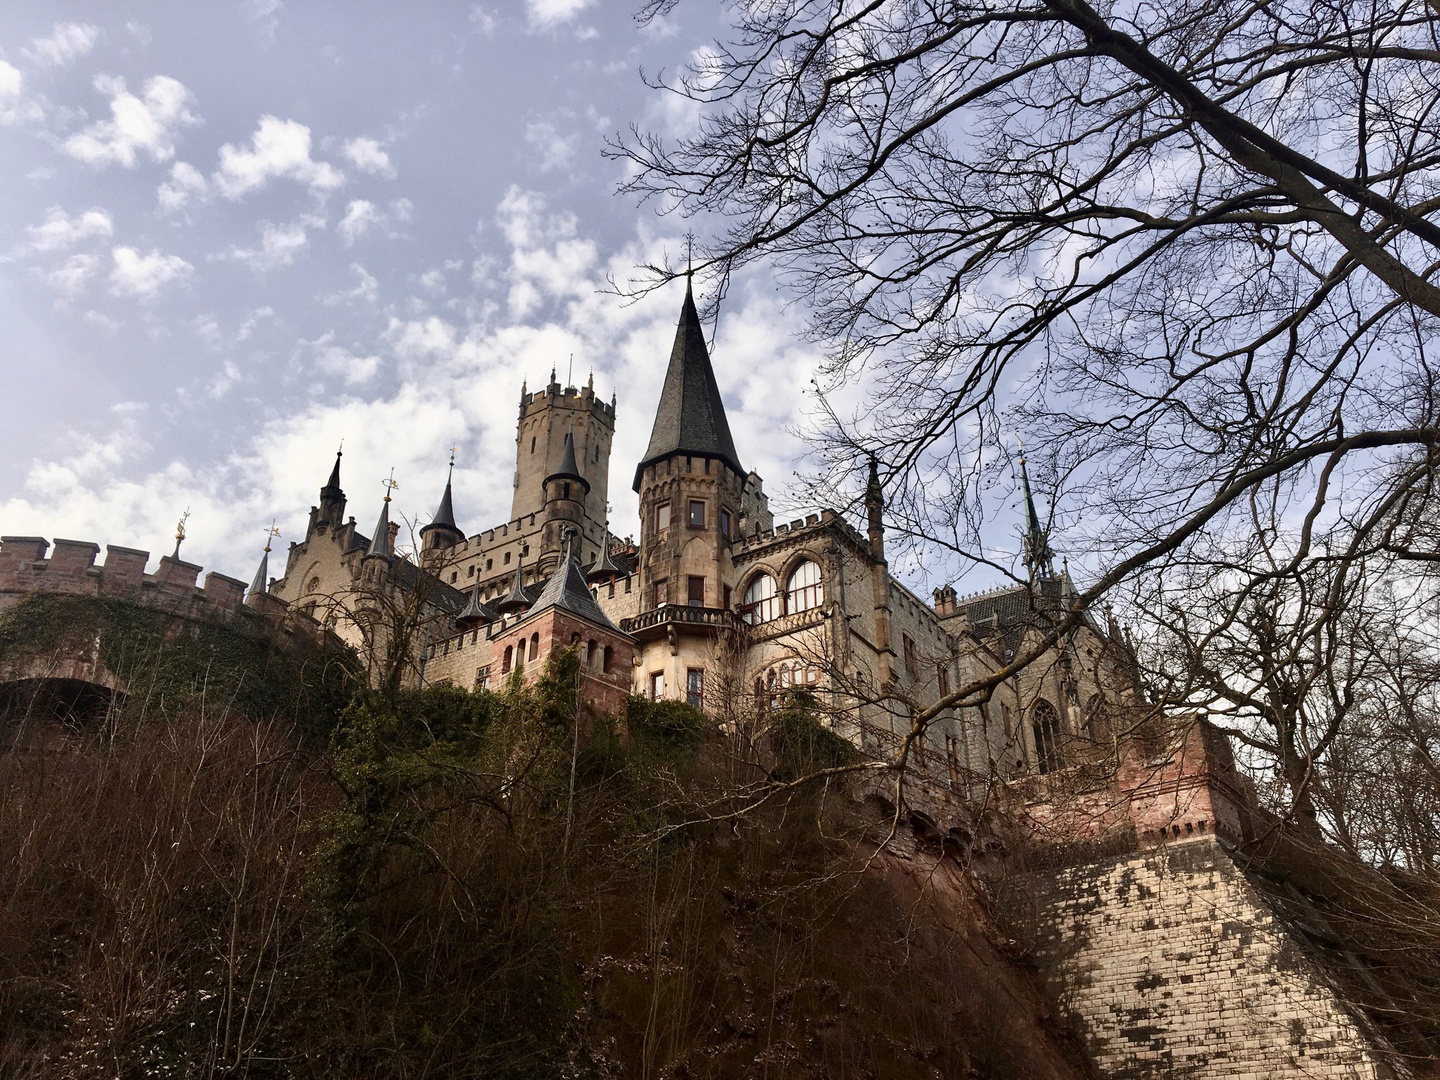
{"x":690,"y":598}
{"x":695,"y":687}
{"x":753,"y":612}
{"x":662,"y":512}
{"x":808,"y":596}
{"x":695,"y":504}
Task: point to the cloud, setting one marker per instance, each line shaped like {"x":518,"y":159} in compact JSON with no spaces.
{"x":279,"y":149}
{"x":138,"y":125}
{"x":547,"y":259}
{"x":366,"y":290}
{"x":143,"y":276}
{"x":548,"y":13}
{"x":15,"y":107}
{"x":553,"y":150}
{"x":61,"y":231}
{"x":367,"y":156}
{"x":279,"y":246}
{"x":359,"y":216}
{"x":482,"y":19}
{"x":185,"y":183}
{"x":220,"y":385}
{"x":67,"y":42}
{"x":70,"y":279}
{"x":336,"y":360}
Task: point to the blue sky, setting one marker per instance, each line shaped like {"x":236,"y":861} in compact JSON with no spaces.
{"x":236,"y":233}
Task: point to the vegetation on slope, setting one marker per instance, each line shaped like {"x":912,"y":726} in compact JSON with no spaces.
{"x":457,"y":886}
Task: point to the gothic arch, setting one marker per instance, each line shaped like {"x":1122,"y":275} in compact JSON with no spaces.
{"x":1045,"y":730}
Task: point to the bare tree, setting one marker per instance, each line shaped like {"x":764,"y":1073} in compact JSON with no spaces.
{"x":1186,"y":251}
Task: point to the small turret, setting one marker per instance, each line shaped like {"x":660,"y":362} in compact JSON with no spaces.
{"x":474,"y":612}
{"x":332,"y":500}
{"x":875,"y":511}
{"x":515,"y":600}
{"x":380,"y":542}
{"x":605,"y":568}
{"x":442,"y":532}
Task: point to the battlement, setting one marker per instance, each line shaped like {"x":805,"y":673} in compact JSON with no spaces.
{"x":758,"y":537}
{"x":71,"y":570}
{"x":572,"y":396}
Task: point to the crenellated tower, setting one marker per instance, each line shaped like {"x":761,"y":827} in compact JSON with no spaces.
{"x":547,"y":418}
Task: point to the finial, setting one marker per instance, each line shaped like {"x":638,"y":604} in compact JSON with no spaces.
{"x":591,"y":381}
{"x":180,"y":532}
{"x":270,"y":534}
{"x":552,"y":373}
{"x":390,"y":483}
{"x":689,"y":254}
{"x":570,"y":371}
{"x":453,"y":451}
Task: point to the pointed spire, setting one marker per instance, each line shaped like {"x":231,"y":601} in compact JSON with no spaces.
{"x":380,"y":542}
{"x":569,"y":470}
{"x":568,"y":591}
{"x":444,"y":518}
{"x":605,"y":568}
{"x":515,"y":600}
{"x":475,"y":612}
{"x":333,"y":484}
{"x":261,"y":584}
{"x":690,"y":418}
{"x":1038,"y":558}
{"x":875,"y":510}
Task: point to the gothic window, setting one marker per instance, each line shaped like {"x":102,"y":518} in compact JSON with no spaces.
{"x":697,"y":513}
{"x":804,"y":590}
{"x":1047,"y":737}
{"x":695,"y":687}
{"x":695,"y":591}
{"x":482,"y":677}
{"x":762,"y":601}
{"x":942,"y":676}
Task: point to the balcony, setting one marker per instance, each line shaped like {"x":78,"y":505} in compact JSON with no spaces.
{"x":680,"y":618}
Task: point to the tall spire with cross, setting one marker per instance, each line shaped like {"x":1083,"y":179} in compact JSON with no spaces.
{"x":380,"y":542}
{"x":442,"y":531}
{"x":261,"y":584}
{"x":1039,"y":560}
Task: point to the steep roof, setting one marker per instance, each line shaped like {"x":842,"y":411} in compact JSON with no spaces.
{"x":568,"y":469}
{"x":380,"y":541}
{"x":445,"y":515}
{"x":567,"y":590}
{"x":332,"y":486}
{"x":690,"y":418}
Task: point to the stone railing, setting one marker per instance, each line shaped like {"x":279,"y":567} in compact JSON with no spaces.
{"x":681,"y":615}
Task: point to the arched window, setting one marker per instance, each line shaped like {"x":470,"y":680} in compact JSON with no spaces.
{"x":1047,"y":737}
{"x":592,"y":655}
{"x":509,"y":659}
{"x":534,"y":646}
{"x":804,"y":591}
{"x":609,"y":656}
{"x":762,"y":601}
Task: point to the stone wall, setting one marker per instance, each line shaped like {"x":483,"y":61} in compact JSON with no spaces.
{"x":1174,"y":966}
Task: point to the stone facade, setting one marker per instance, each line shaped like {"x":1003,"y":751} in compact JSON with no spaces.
{"x":1172,"y":964}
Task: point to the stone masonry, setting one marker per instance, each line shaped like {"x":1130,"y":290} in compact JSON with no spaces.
{"x":1172,"y":964}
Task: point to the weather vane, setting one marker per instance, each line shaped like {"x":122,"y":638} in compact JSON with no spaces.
{"x":180,"y":532}
{"x":270,"y":534}
{"x":390,"y":484}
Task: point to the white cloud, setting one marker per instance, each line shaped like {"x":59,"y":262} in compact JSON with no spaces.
{"x":279,"y":149}
{"x":366,"y":290}
{"x":61,"y":231}
{"x":138,"y":125}
{"x":185,"y":182}
{"x":279,"y":246}
{"x":553,"y":150}
{"x":359,"y":216}
{"x":336,"y":360}
{"x":15,"y":107}
{"x":220,"y":385}
{"x":367,"y":156}
{"x":70,"y":279}
{"x":67,"y":42}
{"x":482,"y":19}
{"x":143,"y":276}
{"x":548,"y":13}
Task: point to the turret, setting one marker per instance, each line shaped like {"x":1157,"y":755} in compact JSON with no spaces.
{"x":331,"y":510}
{"x":565,"y":494}
{"x":442,"y":532}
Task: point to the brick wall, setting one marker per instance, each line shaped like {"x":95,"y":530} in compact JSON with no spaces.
{"x":1173,"y":965}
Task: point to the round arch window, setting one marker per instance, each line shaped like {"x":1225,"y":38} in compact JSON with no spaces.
{"x":804,"y":590}
{"x":762,"y":601}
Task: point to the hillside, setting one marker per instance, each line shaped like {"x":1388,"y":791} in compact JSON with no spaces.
{"x":447,"y":888}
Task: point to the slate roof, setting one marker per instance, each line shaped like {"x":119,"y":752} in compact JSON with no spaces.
{"x":445,"y":515}
{"x":568,"y":469}
{"x":568,"y":591}
{"x":690,"y":418}
{"x":332,"y":486}
{"x":1010,"y":612}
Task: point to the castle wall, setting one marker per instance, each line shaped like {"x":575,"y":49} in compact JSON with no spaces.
{"x":1172,"y":965}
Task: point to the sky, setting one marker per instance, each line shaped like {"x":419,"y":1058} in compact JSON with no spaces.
{"x":236,"y":233}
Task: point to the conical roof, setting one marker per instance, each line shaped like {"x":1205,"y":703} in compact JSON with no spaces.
{"x":444,"y":514}
{"x":1038,"y":557}
{"x":690,"y":418}
{"x":333,"y":484}
{"x":380,"y":541}
{"x":568,"y":591}
{"x":568,"y":469}
{"x":474,"y":612}
{"x":604,"y":567}
{"x":262,"y":574}
{"x":515,"y":599}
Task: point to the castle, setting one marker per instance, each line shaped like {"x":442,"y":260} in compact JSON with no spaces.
{"x":716,"y":605}
{"x":1170,"y":953}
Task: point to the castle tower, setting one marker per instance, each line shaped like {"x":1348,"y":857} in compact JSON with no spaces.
{"x":546,"y":418}
{"x":331,"y":510}
{"x":442,"y":532}
{"x":566,"y":492}
{"x":690,"y":482}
